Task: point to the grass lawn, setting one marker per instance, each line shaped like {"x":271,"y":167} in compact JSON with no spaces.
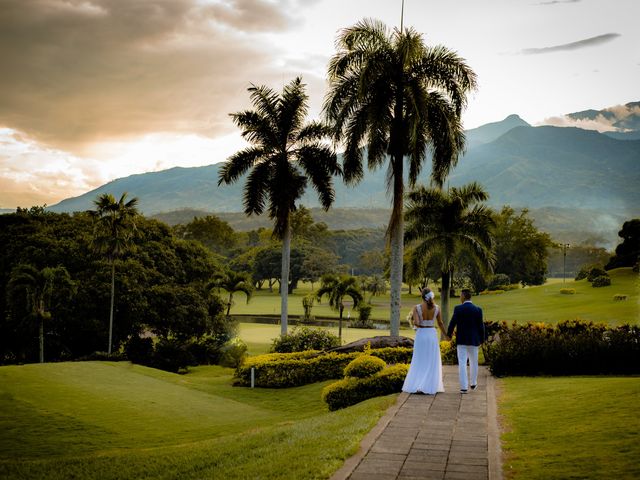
{"x":117,"y":420}
{"x":570,"y":427}
{"x":542,"y":303}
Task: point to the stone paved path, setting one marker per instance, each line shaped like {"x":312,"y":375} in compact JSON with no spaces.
{"x":443,"y":436}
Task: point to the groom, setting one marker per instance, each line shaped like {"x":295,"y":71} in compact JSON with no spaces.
{"x":470,"y":335}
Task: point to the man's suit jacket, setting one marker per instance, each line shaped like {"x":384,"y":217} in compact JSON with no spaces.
{"x":470,"y":326}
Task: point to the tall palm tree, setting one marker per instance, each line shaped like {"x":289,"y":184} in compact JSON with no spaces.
{"x":285,"y":155}
{"x":337,"y":288}
{"x":39,"y":287}
{"x":447,"y":224}
{"x":398,"y":97}
{"x":233,"y":282}
{"x":113,"y":234}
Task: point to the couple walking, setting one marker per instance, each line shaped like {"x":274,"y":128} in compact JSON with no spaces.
{"x":425,"y":372}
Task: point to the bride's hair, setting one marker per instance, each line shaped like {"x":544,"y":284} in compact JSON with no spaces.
{"x":427,"y":296}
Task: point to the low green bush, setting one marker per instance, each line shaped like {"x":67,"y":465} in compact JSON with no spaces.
{"x":233,"y":353}
{"x":491,"y":292}
{"x":601,"y":281}
{"x":392,"y":355}
{"x":349,"y":391}
{"x":498,"y":281}
{"x":618,"y":297}
{"x":364,"y":366}
{"x":305,"y":338}
{"x":595,"y":272}
{"x":574,"y":347}
{"x":172,"y":355}
{"x":568,"y":291}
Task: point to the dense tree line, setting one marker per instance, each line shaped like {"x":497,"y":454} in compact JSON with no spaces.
{"x":161,"y":285}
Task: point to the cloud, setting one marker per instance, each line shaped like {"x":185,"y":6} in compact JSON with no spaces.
{"x":611,"y":119}
{"x":79,"y":71}
{"x":587,"y":42}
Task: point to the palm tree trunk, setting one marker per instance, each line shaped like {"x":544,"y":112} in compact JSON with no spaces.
{"x":340,"y":324}
{"x":229,"y":304}
{"x":113,"y":295}
{"x":284,"y":280}
{"x":444,"y":297}
{"x":41,"y":333}
{"x":397,"y":247}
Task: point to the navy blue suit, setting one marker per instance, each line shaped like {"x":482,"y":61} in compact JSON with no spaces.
{"x":470,"y":326}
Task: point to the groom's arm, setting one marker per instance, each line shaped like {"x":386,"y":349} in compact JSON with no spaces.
{"x":452,"y":323}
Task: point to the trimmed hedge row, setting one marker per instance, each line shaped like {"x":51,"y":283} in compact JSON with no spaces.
{"x":351,"y":390}
{"x":280,"y":370}
{"x":573,"y":347}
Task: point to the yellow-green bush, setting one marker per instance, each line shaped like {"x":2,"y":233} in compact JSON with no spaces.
{"x":294,"y":369}
{"x":568,"y":291}
{"x":349,"y":391}
{"x":364,"y":366}
{"x":392,"y":355}
{"x":491,"y":292}
{"x":448,"y":353}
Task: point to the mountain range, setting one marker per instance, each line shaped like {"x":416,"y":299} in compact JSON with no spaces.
{"x":545,"y":168}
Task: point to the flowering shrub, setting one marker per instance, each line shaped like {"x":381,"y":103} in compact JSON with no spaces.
{"x":350,"y":390}
{"x":364,"y":366}
{"x":305,"y":338}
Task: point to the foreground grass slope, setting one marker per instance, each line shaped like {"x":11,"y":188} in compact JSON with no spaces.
{"x":117,"y":420}
{"x":570,"y":427}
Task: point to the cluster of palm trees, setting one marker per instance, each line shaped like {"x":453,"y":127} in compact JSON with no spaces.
{"x":391,"y":99}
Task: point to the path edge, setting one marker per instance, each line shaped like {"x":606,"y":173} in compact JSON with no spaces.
{"x":369,"y":439}
{"x":493,"y":437}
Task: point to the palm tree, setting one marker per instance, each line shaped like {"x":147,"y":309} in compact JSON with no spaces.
{"x":39,"y":286}
{"x":113,"y":232}
{"x":336,"y":288}
{"x":233,"y":282}
{"x":389,"y":92}
{"x":285,"y":155}
{"x":448,"y":224}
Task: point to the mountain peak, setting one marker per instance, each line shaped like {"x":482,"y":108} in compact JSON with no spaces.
{"x":491,"y":131}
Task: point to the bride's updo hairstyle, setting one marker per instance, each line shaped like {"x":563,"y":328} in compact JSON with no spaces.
{"x":427,"y":296}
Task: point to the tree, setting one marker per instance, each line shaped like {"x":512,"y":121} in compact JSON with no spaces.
{"x":233,"y":282}
{"x":39,"y":287}
{"x":285,"y":155}
{"x":215,"y":234}
{"x":113,"y":236}
{"x":389,"y":92}
{"x":628,"y":252}
{"x":521,"y":249}
{"x":446,"y":224}
{"x":336,"y":288}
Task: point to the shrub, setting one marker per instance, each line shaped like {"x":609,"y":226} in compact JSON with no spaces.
{"x":364,"y":366}
{"x":207,"y":349}
{"x":292,"y":370}
{"x":595,"y":272}
{"x":448,"y":353}
{"x":583,"y":272}
{"x":364,"y":314}
{"x":618,"y":297}
{"x":498,"y":282}
{"x":350,"y":391}
{"x":305,"y":338}
{"x":172,"y":355}
{"x":572,"y":347}
{"x":393,"y":355}
{"x":103,"y":357}
{"x":492,"y":292}
{"x":601,"y":281}
{"x":568,"y":291}
{"x":233,"y":353}
{"x":139,"y":350}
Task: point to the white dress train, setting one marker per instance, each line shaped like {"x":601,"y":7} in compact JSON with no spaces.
{"x":425,"y":371}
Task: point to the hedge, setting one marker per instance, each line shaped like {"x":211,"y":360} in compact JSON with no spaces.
{"x":364,"y":366}
{"x":350,"y":390}
{"x":573,"y":347}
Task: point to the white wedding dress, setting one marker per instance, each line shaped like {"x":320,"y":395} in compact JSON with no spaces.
{"x":425,"y":371}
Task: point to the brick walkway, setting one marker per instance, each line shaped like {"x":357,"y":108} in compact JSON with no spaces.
{"x":443,"y":436}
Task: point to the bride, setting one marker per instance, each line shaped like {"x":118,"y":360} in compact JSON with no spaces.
{"x":425,"y":371}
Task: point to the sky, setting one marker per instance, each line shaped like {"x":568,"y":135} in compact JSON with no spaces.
{"x":94,"y":90}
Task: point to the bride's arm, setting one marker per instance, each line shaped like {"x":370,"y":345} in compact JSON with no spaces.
{"x":441,"y":325}
{"x":416,"y":319}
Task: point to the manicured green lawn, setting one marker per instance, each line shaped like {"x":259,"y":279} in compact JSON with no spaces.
{"x":571,"y":427}
{"x":117,"y":420}
{"x":259,"y":336}
{"x":533,"y":304}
